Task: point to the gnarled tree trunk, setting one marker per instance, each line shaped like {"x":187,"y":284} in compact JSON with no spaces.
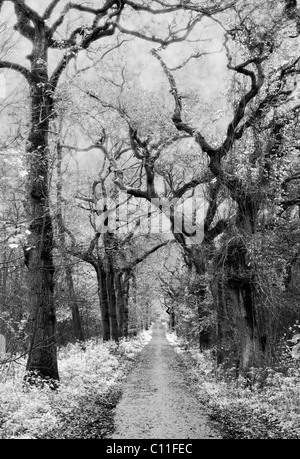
{"x":240,"y":336}
{"x":119,"y":302}
{"x":42,"y":358}
{"x":126,"y":287}
{"x":103,"y":300}
{"x":112,"y":303}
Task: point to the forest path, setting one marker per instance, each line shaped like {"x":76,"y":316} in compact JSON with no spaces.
{"x":156,"y":401}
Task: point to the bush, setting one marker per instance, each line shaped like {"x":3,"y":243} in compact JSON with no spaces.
{"x":89,"y":385}
{"x":267,"y":407}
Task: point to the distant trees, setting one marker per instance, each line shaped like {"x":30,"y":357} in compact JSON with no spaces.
{"x":225,"y":183}
{"x":13,"y":276}
{"x":113,"y":251}
{"x":162,"y":174}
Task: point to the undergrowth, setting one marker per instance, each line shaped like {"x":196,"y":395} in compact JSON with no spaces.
{"x":268,"y":408}
{"x":82,"y":406}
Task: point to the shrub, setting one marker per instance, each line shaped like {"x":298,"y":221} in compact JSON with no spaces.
{"x":88,"y":374}
{"x":269,"y":407}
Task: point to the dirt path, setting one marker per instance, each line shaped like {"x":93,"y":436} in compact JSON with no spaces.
{"x":156,"y":401}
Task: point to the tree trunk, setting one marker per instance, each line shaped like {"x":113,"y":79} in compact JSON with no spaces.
{"x":126,"y":287}
{"x":122,"y":282}
{"x":218,"y":293}
{"x":42,"y":357}
{"x":110,"y":245}
{"x":199,"y":257}
{"x":111,"y":293}
{"x":250,"y":351}
{"x":172,"y":319}
{"x":120,"y":302}
{"x":133,"y":316}
{"x":147,"y":320}
{"x":76,"y":319}
{"x":103,"y":300}
{"x":238,"y":329}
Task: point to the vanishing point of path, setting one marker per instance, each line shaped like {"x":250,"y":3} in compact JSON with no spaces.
{"x":156,"y":400}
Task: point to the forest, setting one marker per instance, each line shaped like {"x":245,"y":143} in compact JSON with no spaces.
{"x":149,"y":171}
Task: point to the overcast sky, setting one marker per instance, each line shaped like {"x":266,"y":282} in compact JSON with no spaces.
{"x":204,"y":75}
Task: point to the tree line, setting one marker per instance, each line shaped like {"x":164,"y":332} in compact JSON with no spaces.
{"x":219,"y":171}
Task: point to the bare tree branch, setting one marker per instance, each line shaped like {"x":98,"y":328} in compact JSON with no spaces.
{"x":25,"y":11}
{"x":191,"y":185}
{"x":163,"y":42}
{"x":17,"y":68}
{"x":135,"y":192}
{"x":50,"y":8}
{"x":150,"y":252}
{"x":181,"y":5}
{"x":177,"y":116}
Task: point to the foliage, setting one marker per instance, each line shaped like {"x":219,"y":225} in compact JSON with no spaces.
{"x":236,"y":136}
{"x":89,"y":388}
{"x":267,"y":406}
{"x":189,"y":295}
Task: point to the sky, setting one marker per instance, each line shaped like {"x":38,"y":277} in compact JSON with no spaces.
{"x":2,"y":87}
{"x":140,"y":50}
{"x":204,"y":75}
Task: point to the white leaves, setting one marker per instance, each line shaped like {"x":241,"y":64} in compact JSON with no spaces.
{"x":17,"y":240}
{"x":295,"y":338}
{"x":295,"y":351}
{"x":29,"y":248}
{"x":13,"y":246}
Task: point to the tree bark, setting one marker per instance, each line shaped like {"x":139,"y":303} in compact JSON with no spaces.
{"x":238,"y":304}
{"x":120,"y":302}
{"x":133,"y":309}
{"x":122,"y":284}
{"x":241,"y":296}
{"x":103,"y":300}
{"x":126,"y":288}
{"x":111,"y":294}
{"x":76,"y":319}
{"x":42,"y":357}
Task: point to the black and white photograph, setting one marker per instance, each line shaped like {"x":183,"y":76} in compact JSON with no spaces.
{"x":149,"y":222}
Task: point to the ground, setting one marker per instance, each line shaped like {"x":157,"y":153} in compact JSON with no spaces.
{"x":156,"y":398}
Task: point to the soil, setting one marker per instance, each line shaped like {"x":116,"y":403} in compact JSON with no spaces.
{"x":157,"y":401}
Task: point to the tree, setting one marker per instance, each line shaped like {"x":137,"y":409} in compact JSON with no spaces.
{"x":13,"y":290}
{"x":159,"y":168}
{"x":42,"y":30}
{"x":76,"y":319}
{"x":255,"y":136}
{"x":109,"y":249}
